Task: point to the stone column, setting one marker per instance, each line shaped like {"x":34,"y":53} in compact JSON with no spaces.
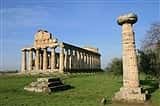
{"x":45,"y":59}
{"x":78,"y":59}
{"x":37,"y":58}
{"x":130,"y":91}
{"x":85,"y":61}
{"x":41,"y":60}
{"x":88,"y":67}
{"x":53,"y":58}
{"x":90,"y":61}
{"x":98,"y":62}
{"x":66,"y":59}
{"x":48,"y":61}
{"x":82,"y":62}
{"x":30,"y":59}
{"x":61,"y":67}
{"x":71,"y":59}
{"x":24,"y":61}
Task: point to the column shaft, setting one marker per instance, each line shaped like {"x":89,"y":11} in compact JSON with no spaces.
{"x":130,"y":68}
{"x":53,"y":58}
{"x":61,"y":68}
{"x":30,"y":59}
{"x":24,"y":61}
{"x":45,"y":59}
{"x":37,"y":58}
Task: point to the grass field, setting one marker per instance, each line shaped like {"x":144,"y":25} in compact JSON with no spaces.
{"x":88,"y":90}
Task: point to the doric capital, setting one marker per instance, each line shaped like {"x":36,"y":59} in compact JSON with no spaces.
{"x":127,"y":18}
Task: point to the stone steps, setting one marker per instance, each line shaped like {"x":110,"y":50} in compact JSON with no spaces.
{"x":47,"y":85}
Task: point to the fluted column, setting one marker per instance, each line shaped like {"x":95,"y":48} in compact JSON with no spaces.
{"x":90,"y":61}
{"x":41,"y":60}
{"x":61,"y":68}
{"x":48,"y":61}
{"x":30,"y":59}
{"x":75,"y":59}
{"x":82,"y":61}
{"x":53,"y":58}
{"x":24,"y":61}
{"x":85,"y":61}
{"x":70,"y":59}
{"x":78,"y":59}
{"x":45,"y":58}
{"x":37,"y":58}
{"x":66,"y":59}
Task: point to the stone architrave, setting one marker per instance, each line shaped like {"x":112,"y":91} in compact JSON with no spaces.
{"x":131,"y":91}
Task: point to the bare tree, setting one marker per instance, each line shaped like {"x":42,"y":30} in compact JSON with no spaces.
{"x":150,"y":51}
{"x":152,"y":37}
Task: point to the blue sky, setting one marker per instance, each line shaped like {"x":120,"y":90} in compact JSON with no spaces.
{"x":79,"y":22}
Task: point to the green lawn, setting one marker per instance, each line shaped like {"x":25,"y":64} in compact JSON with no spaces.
{"x":88,"y":90}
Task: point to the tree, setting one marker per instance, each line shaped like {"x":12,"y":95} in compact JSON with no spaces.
{"x":152,"y":37}
{"x":150,"y":51}
{"x":115,"y":66}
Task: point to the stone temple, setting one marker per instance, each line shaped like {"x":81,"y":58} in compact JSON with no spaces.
{"x":50,"y":55}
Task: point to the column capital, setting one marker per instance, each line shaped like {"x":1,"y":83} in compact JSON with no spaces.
{"x":130,"y":18}
{"x":23,"y":49}
{"x":61,"y":45}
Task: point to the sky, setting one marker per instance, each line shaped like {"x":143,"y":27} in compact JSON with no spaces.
{"x":78,"y":22}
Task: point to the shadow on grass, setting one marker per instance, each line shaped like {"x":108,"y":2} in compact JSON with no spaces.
{"x":62,"y":88}
{"x":149,"y":86}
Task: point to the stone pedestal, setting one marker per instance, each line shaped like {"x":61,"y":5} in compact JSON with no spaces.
{"x":131,"y":91}
{"x":130,"y":95}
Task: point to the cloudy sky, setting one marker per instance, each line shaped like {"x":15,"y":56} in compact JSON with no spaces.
{"x":79,"y":22}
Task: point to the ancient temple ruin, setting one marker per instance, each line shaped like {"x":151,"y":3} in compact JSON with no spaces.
{"x":50,"y":55}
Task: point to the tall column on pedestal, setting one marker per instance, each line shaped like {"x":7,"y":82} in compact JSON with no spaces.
{"x":53,"y":58}
{"x":37,"y":58}
{"x":24,"y":61}
{"x":45,"y":58}
{"x":30,"y":59}
{"x":61,"y":67}
{"x":130,"y":90}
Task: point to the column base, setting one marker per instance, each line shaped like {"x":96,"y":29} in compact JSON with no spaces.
{"x":130,"y":95}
